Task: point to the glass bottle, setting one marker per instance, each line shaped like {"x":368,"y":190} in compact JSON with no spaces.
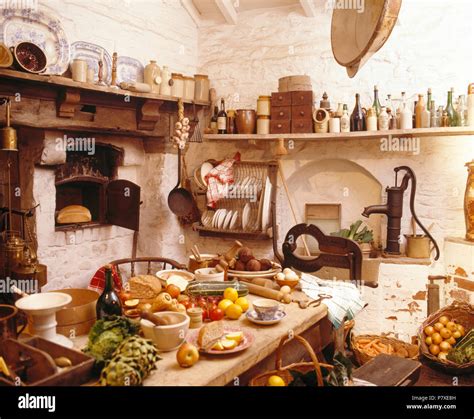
{"x":358,"y":122}
{"x":376,"y":105}
{"x":339,"y":111}
{"x":222,"y":119}
{"x":400,"y":110}
{"x":345,"y":120}
{"x":420,"y":104}
{"x":214,"y":120}
{"x":109,"y":303}
{"x":371,"y":120}
{"x":434,"y":119}
{"x":428,"y":100}
{"x":445,"y":121}
{"x":461,"y":112}
{"x":383,"y":120}
{"x":450,"y":109}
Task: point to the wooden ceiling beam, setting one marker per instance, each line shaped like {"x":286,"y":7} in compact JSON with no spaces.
{"x":309,"y":7}
{"x":193,"y":12}
{"x":228,"y":11}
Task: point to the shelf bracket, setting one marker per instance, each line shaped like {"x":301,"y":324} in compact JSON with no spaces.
{"x":148,"y":114}
{"x":67,"y":101}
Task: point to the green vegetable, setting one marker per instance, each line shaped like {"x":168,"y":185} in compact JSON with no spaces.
{"x":363,"y":236}
{"x":132,"y":361}
{"x":106,"y":335}
{"x":463,"y":352}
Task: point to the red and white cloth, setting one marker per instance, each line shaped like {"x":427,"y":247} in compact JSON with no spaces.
{"x":97,"y":282}
{"x":219,"y":179}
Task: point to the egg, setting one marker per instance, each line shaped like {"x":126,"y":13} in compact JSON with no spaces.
{"x":286,"y":271}
{"x":285,"y":289}
{"x":280,"y":276}
{"x":291,"y":276}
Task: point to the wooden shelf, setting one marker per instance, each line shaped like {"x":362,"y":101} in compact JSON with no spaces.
{"x":66,"y":82}
{"x":343,"y":136}
{"x":231,"y":234}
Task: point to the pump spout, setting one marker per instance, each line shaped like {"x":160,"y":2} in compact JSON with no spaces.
{"x":375,"y":209}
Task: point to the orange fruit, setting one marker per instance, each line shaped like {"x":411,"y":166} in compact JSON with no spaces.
{"x":438,"y":326}
{"x":443,"y":320}
{"x":436,"y":338}
{"x":445,"y":333}
{"x":173,"y":290}
{"x":451,"y":326}
{"x":429,"y":330}
{"x":434,"y":349}
{"x":429,"y":341}
{"x":276,"y":381}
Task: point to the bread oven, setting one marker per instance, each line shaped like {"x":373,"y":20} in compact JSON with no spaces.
{"x":88,"y":192}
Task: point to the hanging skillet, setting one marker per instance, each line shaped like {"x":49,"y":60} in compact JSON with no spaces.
{"x":180,"y":200}
{"x":355,"y":36}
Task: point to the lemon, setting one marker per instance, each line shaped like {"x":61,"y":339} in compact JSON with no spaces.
{"x":231,"y":294}
{"x":223,"y":304}
{"x":243,"y":302}
{"x":228,"y":344}
{"x":276,"y":381}
{"x":234,"y":311}
{"x":218,"y":346}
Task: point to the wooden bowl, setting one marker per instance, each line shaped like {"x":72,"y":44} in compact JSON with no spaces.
{"x":292,"y":283}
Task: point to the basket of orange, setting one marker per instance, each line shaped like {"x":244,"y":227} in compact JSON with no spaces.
{"x":447,"y":338}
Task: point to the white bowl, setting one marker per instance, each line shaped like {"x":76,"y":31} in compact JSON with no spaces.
{"x":167,"y":338}
{"x":208,"y":274}
{"x":163,"y":276}
{"x":43,"y":303}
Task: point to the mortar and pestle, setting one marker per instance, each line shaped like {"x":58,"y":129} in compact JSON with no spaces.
{"x":418,"y":246}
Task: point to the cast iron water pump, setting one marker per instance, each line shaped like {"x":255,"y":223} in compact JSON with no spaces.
{"x":393,"y":209}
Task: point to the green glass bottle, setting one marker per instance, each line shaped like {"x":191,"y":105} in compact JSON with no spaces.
{"x":109,"y":303}
{"x":376,"y":105}
{"x":451,"y":122}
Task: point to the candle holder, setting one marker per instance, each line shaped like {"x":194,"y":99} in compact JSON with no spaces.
{"x":100,"y":75}
{"x":113,"y":82}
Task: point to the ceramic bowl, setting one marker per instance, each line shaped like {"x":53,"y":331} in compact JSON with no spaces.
{"x":167,"y":338}
{"x":163,"y":276}
{"x":267,"y":309}
{"x":208,"y":274}
{"x":30,"y":57}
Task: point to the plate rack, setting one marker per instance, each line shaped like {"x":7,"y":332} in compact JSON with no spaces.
{"x":246,"y":212}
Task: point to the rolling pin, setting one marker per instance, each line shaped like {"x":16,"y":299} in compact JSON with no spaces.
{"x":263,"y":291}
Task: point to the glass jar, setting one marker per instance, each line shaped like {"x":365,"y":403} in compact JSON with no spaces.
{"x":263,"y":106}
{"x":177,"y":89}
{"x":189,"y":86}
{"x":201,"y":88}
{"x":263,"y":125}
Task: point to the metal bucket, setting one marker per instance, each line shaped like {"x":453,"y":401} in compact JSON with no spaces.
{"x":418,"y":247}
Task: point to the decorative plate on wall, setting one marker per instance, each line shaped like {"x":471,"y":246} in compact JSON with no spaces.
{"x":17,"y":25}
{"x":92,"y":53}
{"x":129,"y":70}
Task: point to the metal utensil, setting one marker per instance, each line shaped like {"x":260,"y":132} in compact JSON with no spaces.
{"x":195,"y":126}
{"x":180,"y":200}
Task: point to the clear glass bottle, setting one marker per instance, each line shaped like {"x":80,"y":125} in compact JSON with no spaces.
{"x":400,"y":110}
{"x":461,"y":111}
{"x":434,"y":119}
{"x":406,"y":115}
{"x":345,"y":120}
{"x":428,"y":100}
{"x":383,"y":120}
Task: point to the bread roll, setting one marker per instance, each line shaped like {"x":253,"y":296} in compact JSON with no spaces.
{"x":210,"y":333}
{"x":74,"y":214}
{"x":144,"y":286}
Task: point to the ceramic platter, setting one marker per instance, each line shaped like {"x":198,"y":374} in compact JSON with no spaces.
{"x":266,"y":204}
{"x":206,"y":167}
{"x":259,"y":274}
{"x":44,"y":30}
{"x":92,"y":53}
{"x":234,"y":222}
{"x":253,"y":317}
{"x":129,"y":70}
{"x":246,"y":341}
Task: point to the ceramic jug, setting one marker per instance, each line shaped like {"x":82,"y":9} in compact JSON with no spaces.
{"x":152,"y":76}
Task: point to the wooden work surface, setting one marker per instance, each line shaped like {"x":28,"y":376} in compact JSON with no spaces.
{"x":219,"y":370}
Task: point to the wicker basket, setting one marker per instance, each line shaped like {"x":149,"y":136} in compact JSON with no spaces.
{"x":461,"y":313}
{"x":284,"y":372}
{"x":363,"y":357}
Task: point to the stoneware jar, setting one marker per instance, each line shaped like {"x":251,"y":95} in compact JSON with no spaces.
{"x":201,"y":88}
{"x":152,"y":76}
{"x":165,"y":87}
{"x":246,"y":121}
{"x":177,"y":88}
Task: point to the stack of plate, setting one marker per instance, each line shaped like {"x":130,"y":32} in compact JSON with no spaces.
{"x":200,"y":174}
{"x":222,"y":219}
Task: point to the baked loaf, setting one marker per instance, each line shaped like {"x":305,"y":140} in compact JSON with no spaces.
{"x":74,"y":214}
{"x":210,"y":333}
{"x":144,"y":286}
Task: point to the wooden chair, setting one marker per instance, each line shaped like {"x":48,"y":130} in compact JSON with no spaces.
{"x":164,"y":263}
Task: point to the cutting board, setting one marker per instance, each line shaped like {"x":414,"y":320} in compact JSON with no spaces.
{"x":389,"y":370}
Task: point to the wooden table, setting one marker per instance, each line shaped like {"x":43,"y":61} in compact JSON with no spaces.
{"x":239,"y":368}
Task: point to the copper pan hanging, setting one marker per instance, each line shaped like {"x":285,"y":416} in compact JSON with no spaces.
{"x":357,"y":34}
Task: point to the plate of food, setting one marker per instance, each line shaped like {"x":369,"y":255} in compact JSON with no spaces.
{"x":215,"y":338}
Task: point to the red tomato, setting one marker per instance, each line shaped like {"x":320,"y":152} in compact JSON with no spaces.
{"x":216,"y":315}
{"x":205,"y":315}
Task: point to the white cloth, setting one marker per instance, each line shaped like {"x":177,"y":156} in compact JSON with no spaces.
{"x":346,"y":300}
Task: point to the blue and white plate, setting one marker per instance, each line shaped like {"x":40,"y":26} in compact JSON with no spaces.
{"x":129,"y":70}
{"x":17,"y":25}
{"x":91,"y":53}
{"x":254,"y":318}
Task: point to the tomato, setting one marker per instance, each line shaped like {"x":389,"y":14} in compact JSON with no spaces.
{"x":205,"y":314}
{"x":216,"y":314}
